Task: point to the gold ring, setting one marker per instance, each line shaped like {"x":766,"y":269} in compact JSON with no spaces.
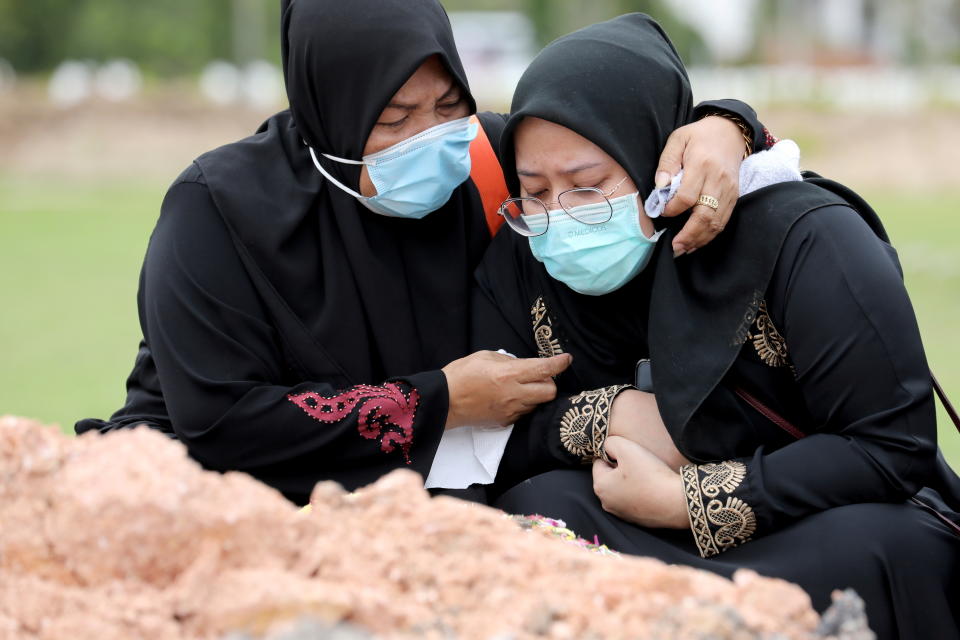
{"x":709,"y":201}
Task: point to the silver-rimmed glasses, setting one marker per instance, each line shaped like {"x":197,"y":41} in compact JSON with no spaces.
{"x":531,"y":216}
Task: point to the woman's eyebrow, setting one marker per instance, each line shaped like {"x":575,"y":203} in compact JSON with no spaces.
{"x":413,"y":106}
{"x":449,"y":93}
{"x":406,"y":106}
{"x":566,"y":172}
{"x":579,"y":168}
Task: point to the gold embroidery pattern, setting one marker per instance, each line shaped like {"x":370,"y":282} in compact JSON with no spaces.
{"x":770,"y":345}
{"x":547,"y":344}
{"x":720,"y":525}
{"x":584,"y":426}
{"x":697,"y":514}
{"x":725,"y":476}
{"x":735,"y":520}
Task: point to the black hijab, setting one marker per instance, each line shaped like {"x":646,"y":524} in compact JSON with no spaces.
{"x":357,"y":297}
{"x":621,"y":85}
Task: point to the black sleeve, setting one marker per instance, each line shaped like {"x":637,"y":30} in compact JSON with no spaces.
{"x":144,"y":403}
{"x":762,"y":139}
{"x":840,"y":305}
{"x":230,"y":394}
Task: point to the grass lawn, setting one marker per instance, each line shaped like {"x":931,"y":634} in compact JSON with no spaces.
{"x":70,"y":255}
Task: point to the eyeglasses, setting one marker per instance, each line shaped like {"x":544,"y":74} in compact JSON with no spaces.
{"x":531,"y":216}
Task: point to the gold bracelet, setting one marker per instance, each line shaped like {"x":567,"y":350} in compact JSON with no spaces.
{"x":744,"y":129}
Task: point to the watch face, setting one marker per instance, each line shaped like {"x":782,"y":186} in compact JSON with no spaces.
{"x":643,"y":377}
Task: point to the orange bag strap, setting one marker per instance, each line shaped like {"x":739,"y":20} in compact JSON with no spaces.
{"x":488,"y":176}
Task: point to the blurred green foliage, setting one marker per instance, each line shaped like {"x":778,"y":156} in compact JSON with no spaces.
{"x":166,"y":38}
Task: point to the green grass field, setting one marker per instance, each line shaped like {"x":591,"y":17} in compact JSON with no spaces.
{"x":70,"y":255}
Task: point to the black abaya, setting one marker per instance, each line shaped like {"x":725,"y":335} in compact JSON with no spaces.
{"x":296,"y":335}
{"x":829,"y":510}
{"x":800,"y":304}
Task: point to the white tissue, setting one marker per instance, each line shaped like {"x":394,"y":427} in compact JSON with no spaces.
{"x":658,"y":198}
{"x":468,"y":455}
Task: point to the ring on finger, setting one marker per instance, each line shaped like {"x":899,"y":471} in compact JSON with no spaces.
{"x":708,"y":201}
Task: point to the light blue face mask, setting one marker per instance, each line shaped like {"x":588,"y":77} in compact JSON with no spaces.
{"x":593,"y":259}
{"x":418,"y":175}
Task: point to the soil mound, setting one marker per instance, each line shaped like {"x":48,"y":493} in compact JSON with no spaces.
{"x":123,"y":536}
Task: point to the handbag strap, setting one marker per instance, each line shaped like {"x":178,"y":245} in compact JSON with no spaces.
{"x":787,"y":426}
{"x":951,"y":411}
{"x":769,"y":413}
{"x":798,"y":433}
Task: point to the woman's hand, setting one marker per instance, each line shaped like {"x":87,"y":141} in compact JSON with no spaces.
{"x":639,"y":488}
{"x":491,"y":389}
{"x":710,"y":152}
{"x":635,"y":416}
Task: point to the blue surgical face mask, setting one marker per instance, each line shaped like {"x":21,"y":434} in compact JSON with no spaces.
{"x":594,"y":259}
{"x":418,"y":175}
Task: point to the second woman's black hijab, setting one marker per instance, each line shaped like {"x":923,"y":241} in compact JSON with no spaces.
{"x":356,"y":297}
{"x":621,"y":85}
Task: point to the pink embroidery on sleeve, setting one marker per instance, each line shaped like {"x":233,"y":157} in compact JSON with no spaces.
{"x":385,"y":412}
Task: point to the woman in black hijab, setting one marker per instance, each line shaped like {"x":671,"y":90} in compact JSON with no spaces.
{"x":304,"y":317}
{"x":793,"y":393}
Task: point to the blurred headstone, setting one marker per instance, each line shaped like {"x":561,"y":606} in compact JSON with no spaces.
{"x":118,"y":80}
{"x":727,"y":28}
{"x":495,"y":48}
{"x":220,"y":83}
{"x":71,"y":83}
{"x":262,"y":85}
{"x":7,"y":76}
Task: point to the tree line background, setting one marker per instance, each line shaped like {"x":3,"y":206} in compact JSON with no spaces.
{"x":177,"y":37}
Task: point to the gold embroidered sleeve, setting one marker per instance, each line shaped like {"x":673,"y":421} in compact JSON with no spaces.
{"x":584,"y":426}
{"x":719,"y":520}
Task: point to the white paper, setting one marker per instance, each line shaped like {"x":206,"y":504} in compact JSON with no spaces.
{"x":466,"y":456}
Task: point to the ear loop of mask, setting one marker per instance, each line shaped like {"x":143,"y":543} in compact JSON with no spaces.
{"x":329,"y":177}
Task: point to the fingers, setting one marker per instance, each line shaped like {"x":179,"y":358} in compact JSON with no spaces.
{"x":705,"y":223}
{"x":493,"y":355}
{"x":708,"y":169}
{"x":671,"y":158}
{"x":534,"y":393}
{"x":687,"y":193}
{"x":537,"y":369}
{"x":615,"y":445}
{"x":601,"y":472}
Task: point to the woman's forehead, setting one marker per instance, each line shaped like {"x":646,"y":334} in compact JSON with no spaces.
{"x":542,"y":142}
{"x":430,"y":79}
